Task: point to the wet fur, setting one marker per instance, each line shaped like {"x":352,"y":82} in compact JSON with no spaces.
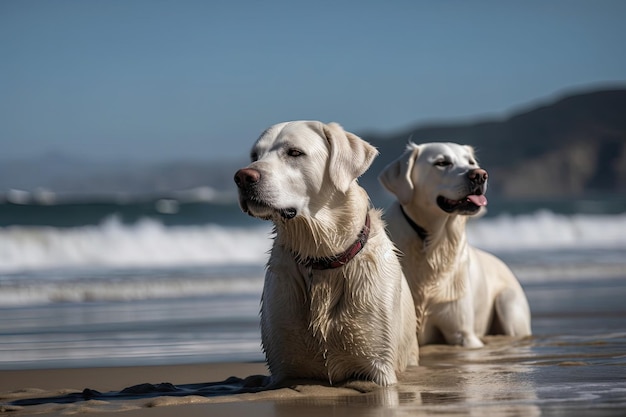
{"x":352,"y":322}
{"x":461,"y":293}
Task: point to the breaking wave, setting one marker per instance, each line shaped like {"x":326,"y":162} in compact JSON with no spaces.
{"x":149,"y":243}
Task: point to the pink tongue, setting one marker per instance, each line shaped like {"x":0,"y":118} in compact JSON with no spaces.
{"x":479,"y":200}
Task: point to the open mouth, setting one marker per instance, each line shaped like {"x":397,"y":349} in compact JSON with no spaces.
{"x":468,"y":205}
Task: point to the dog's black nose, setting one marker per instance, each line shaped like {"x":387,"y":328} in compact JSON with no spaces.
{"x":247,"y":176}
{"x":478,"y":176}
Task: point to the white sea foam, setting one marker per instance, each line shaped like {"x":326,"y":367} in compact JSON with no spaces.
{"x":147,"y":260}
{"x":545,"y":230}
{"x":114,"y":261}
{"x":90,"y":289}
{"x":149,"y":243}
{"x":146,"y":243}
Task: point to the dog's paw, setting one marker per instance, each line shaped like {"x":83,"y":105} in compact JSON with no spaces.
{"x":472,"y":342}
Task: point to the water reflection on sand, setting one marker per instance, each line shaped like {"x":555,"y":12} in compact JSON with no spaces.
{"x":528,"y":377}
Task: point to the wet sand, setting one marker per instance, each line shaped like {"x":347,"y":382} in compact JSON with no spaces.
{"x":574,"y":365}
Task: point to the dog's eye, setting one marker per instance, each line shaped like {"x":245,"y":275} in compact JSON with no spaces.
{"x":442,"y":163}
{"x":254,"y":156}
{"x":294,"y":152}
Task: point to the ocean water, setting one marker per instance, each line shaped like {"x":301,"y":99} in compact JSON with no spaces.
{"x":164,"y":282}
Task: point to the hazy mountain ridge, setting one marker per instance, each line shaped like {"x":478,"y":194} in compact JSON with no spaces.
{"x":573,"y":146}
{"x":77,"y":178}
{"x":570,"y":147}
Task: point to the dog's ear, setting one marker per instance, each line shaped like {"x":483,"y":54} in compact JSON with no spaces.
{"x":350,"y":156}
{"x":396,"y":177}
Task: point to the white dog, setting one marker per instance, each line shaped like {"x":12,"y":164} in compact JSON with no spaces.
{"x":335,"y":303}
{"x":460,"y":292}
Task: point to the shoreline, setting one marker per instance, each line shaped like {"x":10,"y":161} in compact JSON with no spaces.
{"x":533,"y":376}
{"x":573,"y":365}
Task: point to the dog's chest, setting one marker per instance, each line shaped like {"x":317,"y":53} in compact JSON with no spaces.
{"x":333,"y":319}
{"x":325,"y":310}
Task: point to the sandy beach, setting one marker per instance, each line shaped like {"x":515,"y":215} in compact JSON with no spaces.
{"x":575,"y":365}
{"x":507,"y":378}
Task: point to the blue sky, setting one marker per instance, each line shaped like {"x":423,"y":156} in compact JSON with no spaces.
{"x":154,"y":80}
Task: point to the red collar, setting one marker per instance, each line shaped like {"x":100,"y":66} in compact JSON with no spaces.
{"x":343,"y":258}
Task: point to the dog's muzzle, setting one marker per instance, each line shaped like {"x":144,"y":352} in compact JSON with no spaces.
{"x":247,"y":181}
{"x":474,"y":200}
{"x":478,"y":178}
{"x":247,"y":177}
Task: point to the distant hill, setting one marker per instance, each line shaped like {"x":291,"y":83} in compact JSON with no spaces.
{"x":573,"y":146}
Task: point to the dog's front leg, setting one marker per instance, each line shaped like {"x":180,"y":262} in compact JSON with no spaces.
{"x":456,"y":323}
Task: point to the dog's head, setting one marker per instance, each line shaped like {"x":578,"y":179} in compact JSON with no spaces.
{"x":438,"y":177}
{"x":296,"y":166}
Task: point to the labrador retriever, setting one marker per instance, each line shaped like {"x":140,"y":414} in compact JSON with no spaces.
{"x":461,"y":293}
{"x":335,"y":303}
